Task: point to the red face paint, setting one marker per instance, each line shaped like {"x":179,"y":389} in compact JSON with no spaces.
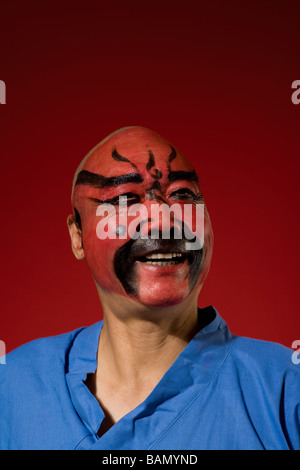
{"x":148,"y":170}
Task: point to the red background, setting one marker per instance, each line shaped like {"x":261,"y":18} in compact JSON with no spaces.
{"x":216,"y":81}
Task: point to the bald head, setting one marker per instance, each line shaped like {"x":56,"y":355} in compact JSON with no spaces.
{"x":124,"y":149}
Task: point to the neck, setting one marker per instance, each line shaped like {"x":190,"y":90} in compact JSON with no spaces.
{"x":137,"y":342}
{"x":137,"y":346}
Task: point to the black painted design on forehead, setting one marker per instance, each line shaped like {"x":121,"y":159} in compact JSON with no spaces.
{"x":99,"y":181}
{"x":156,"y":174}
{"x":151,"y":161}
{"x":173,"y":175}
{"x":172,"y":155}
{"x":119,"y":158}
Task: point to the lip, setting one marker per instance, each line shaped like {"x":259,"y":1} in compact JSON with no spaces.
{"x":128,"y":262}
{"x":163,"y":269}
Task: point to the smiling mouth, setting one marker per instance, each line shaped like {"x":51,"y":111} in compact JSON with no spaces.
{"x":160,"y":255}
{"x":163,"y":259}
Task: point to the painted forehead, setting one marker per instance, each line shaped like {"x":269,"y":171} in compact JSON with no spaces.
{"x":122,"y":161}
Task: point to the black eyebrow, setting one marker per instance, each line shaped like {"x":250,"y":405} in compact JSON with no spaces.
{"x":98,"y":181}
{"x":183,"y":175}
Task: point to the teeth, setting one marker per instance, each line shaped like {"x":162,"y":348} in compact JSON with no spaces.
{"x":161,"y":263}
{"x":164,"y":256}
{"x":163,"y":259}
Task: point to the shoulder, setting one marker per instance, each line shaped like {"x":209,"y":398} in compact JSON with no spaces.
{"x":34,"y":391}
{"x":262,"y":353}
{"x":266,"y":378}
{"x":41,"y":356}
{"x":270,"y":365}
{"x":254,"y":346}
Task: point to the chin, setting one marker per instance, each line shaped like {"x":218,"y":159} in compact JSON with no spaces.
{"x":161,"y":299}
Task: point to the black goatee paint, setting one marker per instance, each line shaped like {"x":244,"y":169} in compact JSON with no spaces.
{"x":135,"y":249}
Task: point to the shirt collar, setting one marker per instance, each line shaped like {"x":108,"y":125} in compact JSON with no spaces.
{"x":195,"y":365}
{"x":82,"y":361}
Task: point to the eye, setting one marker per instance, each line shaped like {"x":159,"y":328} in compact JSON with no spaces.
{"x":185,"y":194}
{"x":121,"y":200}
{"x":127,"y":199}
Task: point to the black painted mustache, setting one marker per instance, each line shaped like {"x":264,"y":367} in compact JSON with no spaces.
{"x":135,"y":249}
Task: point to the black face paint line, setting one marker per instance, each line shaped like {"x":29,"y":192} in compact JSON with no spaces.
{"x":88,"y":178}
{"x":78,"y":223}
{"x":153,"y":196}
{"x":122,"y":200}
{"x":183,"y":175}
{"x":124,"y":269}
{"x":151,"y":161}
{"x":135,"y":249}
{"x":155,"y":185}
{"x":77,"y":218}
{"x":184,"y":194}
{"x":180,"y":175}
{"x":155,"y":174}
{"x":119,"y":158}
{"x":172,"y":155}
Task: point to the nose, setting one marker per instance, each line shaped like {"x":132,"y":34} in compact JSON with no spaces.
{"x":163,"y":220}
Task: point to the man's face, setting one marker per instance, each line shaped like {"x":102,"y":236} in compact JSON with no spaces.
{"x":153,"y":267}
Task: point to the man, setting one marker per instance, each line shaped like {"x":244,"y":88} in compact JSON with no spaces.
{"x":157,"y":373}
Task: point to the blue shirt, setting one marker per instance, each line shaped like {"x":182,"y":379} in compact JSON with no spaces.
{"x":222,"y":392}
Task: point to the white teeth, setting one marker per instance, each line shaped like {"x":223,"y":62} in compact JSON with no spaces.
{"x":163,"y":256}
{"x":161,"y":263}
{"x":166,"y":259}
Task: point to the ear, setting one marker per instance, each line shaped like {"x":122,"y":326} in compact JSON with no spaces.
{"x":76,"y":237}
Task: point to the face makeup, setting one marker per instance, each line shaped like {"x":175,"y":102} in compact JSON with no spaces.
{"x":154,"y":267}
